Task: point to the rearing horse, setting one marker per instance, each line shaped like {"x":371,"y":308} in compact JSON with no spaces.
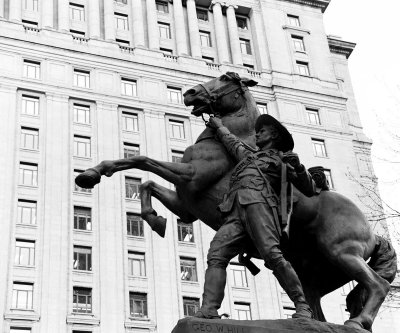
{"x":330,"y":237}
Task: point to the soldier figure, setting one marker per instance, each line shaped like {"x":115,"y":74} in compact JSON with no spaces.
{"x":251,"y":211}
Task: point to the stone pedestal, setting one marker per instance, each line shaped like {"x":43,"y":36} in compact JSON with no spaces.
{"x":195,"y":325}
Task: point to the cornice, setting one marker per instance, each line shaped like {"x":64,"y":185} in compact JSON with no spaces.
{"x":322,"y":4}
{"x":336,"y":45}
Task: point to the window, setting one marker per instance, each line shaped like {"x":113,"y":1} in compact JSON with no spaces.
{"x":164,"y":30}
{"x":31,"y":5}
{"x":242,"y":311}
{"x":162,"y":7}
{"x":202,"y":14}
{"x":239,"y":276}
{"x":205,"y":38}
{"x":188,"y":269}
{"x":77,"y":33}
{"x":24,"y":253}
{"x":76,"y":12}
{"x":262,"y":108}
{"x":288,"y":312}
{"x":130,"y":122}
{"x":132,"y":188}
{"x":76,"y":187}
{"x":177,"y":130}
{"x":134,"y":225}
{"x":245,"y":46}
{"x":313,"y":116}
{"x":177,"y":156}
{"x":302,"y":68}
{"x":128,"y":87}
{"x":81,"y":146}
{"x":121,"y":21}
{"x":166,"y":51}
{"x":131,"y":150}
{"x":31,"y":69}
{"x":190,"y":306}
{"x":136,"y":264}
{"x":81,"y":114}
{"x":30,"y":105}
{"x":22,"y":297}
{"x":298,"y":43}
{"x":82,"y":258}
{"x":319,"y":148}
{"x":242,"y":23}
{"x":248,"y":66}
{"x":81,"y":78}
{"x":26,"y":212}
{"x":30,"y":24}
{"x":82,"y":218}
{"x":174,"y":95}
{"x":20,"y":330}
{"x":28,"y":174}
{"x":185,"y":232}
{"x":138,"y":305}
{"x":82,"y":300}
{"x":328,"y":176}
{"x":29,"y":138}
{"x":293,"y":20}
{"x":123,"y":42}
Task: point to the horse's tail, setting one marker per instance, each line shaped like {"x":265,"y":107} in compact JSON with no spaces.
{"x":384,"y":259}
{"x":384,"y":262}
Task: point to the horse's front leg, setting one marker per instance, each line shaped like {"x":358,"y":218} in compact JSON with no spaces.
{"x":176,"y":173}
{"x":169,"y":199}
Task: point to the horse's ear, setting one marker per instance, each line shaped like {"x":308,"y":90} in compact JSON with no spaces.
{"x":249,"y":82}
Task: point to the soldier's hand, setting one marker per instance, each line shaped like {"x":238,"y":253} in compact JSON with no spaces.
{"x":214,"y":122}
{"x":292,"y":159}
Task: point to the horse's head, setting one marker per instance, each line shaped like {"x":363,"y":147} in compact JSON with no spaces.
{"x":220,"y":96}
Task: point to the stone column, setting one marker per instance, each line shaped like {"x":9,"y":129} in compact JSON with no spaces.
{"x":152,"y":25}
{"x":1,"y":8}
{"x":94,"y":18}
{"x":47,"y":13}
{"x":137,"y":16}
{"x":180,"y":33}
{"x":63,"y":15}
{"x":234,"y":36}
{"x":220,"y":35}
{"x":15,"y":10}
{"x":109,"y":24}
{"x":194,"y":35}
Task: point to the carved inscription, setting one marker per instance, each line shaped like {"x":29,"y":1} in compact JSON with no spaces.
{"x":216,"y":328}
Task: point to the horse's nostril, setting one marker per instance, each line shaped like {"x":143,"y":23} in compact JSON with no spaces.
{"x":190,"y":92}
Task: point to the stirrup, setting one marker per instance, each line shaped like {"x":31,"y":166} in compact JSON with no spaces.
{"x":303,"y":310}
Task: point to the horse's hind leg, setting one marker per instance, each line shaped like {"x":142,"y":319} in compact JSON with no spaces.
{"x":377,"y":288}
{"x":168,"y":198}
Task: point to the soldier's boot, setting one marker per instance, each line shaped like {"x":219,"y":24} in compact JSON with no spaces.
{"x":290,"y":282}
{"x":213,"y":295}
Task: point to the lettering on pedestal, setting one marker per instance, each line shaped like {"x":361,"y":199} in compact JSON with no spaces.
{"x":216,"y":328}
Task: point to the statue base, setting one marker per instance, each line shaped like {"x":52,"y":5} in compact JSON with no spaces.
{"x":197,"y":325}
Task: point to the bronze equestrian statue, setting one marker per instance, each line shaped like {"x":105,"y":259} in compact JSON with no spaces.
{"x":330,"y":238}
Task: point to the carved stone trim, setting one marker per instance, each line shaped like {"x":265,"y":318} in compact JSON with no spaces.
{"x":22,"y":316}
{"x":83,"y":319}
{"x":323,"y":4}
{"x":340,"y":46}
{"x":140,"y":323}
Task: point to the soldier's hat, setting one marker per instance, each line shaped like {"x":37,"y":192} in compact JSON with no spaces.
{"x":286,"y":142}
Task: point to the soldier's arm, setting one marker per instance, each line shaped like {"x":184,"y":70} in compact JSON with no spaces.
{"x":232,"y":144}
{"x":302,"y":180}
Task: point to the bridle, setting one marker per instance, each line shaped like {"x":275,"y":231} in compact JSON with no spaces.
{"x":214,"y":96}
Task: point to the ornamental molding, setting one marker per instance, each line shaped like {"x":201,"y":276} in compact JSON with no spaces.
{"x":83,"y":319}
{"x":322,"y":4}
{"x":336,"y":45}
{"x":22,"y":316}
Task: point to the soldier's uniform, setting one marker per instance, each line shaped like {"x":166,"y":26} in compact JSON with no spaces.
{"x":250,"y":210}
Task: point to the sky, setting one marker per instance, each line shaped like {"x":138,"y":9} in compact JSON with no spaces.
{"x":375,"y":71}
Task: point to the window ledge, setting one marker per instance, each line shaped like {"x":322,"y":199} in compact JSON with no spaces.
{"x":136,"y":238}
{"x":82,"y":272}
{"x":84,"y":319}
{"x":25,"y":267}
{"x":82,"y":158}
{"x":29,"y":116}
{"x":83,"y":193}
{"x":24,"y":225}
{"x":187,"y":244}
{"x":132,"y":200}
{"x":126,"y":131}
{"x":297,"y":29}
{"x":36,"y":151}
{"x":28,"y":186}
{"x":190,"y":283}
{"x":21,"y":314}
{"x":143,"y":323}
{"x":241,"y":288}
{"x":82,"y":124}
{"x":301,"y":52}
{"x":83,"y":232}
{"x":321,"y":156}
{"x":138,"y":278}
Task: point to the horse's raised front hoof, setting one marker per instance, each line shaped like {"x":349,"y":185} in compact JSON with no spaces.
{"x":88,"y":179}
{"x":159,"y":226}
{"x":353,"y":324}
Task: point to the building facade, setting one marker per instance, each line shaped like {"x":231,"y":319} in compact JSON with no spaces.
{"x":83,"y":81}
